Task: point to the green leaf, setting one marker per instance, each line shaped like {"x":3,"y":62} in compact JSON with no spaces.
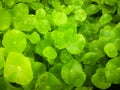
{"x":2,"y":57}
{"x":76,"y":44}
{"x":72,"y":73}
{"x":48,"y":38}
{"x":43,"y":26}
{"x":41,"y":46}
{"x":118,"y":9}
{"x":84,"y":88}
{"x":3,"y":83}
{"x":1,"y":5}
{"x":96,"y":46}
{"x":110,"y":2}
{"x":106,"y":31}
{"x":5,"y":19}
{"x":99,"y":79}
{"x":40,"y":13}
{"x":105,"y":18}
{"x":56,"y":70}
{"x":20,"y":9}
{"x":117,"y":30}
{"x":108,"y":9}
{"x":80,"y":15}
{"x":18,"y":69}
{"x":47,"y":81}
{"x":50,"y":53}
{"x":38,"y":68}
{"x":65,"y":56}
{"x":14,"y":40}
{"x":90,"y":58}
{"x":67,"y":9}
{"x":92,"y":9}
{"x":36,"y":5}
{"x":112,"y":70}
{"x":25,"y":23}
{"x":9,"y":2}
{"x":26,"y":1}
{"x":70,"y":2}
{"x":34,"y":38}
{"x":62,"y":36}
{"x":111,"y":50}
{"x":59,"y":18}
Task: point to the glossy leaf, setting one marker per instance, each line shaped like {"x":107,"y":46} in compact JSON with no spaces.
{"x":59,"y":18}
{"x":80,"y":15}
{"x":61,"y":37}
{"x":40,"y":13}
{"x":112,"y":70}
{"x":105,"y":18}
{"x":34,"y":38}
{"x":50,"y":53}
{"x":111,"y":50}
{"x":76,"y":44}
{"x":47,"y":81}
{"x":20,"y":9}
{"x":9,"y":2}
{"x":2,"y":57}
{"x":14,"y":40}
{"x":43,"y":26}
{"x":24,"y":23}
{"x":72,"y":73}
{"x":65,"y":56}
{"x":99,"y":79}
{"x":18,"y":69}
{"x":5,"y":19}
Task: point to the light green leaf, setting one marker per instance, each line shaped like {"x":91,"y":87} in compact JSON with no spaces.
{"x":50,"y":53}
{"x":34,"y":38}
{"x":2,"y":57}
{"x":80,"y":15}
{"x":76,"y":44}
{"x":47,"y":81}
{"x":5,"y":19}
{"x":43,"y":26}
{"x":72,"y":73}
{"x":99,"y":79}
{"x":14,"y":40}
{"x":20,"y":9}
{"x":112,"y":70}
{"x":59,"y":18}
{"x":25,"y":23}
{"x":111,"y":50}
{"x":18,"y":69}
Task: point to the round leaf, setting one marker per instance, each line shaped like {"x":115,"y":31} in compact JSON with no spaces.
{"x":72,"y":73}
{"x":43,"y":26}
{"x":99,"y":79}
{"x":14,"y":40}
{"x":50,"y":53}
{"x":76,"y":44}
{"x":111,"y":50}
{"x":18,"y":69}
{"x":112,"y":70}
{"x":47,"y":81}
{"x":5,"y":19}
{"x":59,"y":18}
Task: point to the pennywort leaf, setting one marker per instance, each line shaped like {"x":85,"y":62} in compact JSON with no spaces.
{"x":18,"y":69}
{"x":72,"y":73}
{"x":111,"y":50}
{"x":14,"y":40}
{"x":59,"y":18}
{"x":76,"y":44}
{"x":47,"y":81}
{"x":5,"y":19}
